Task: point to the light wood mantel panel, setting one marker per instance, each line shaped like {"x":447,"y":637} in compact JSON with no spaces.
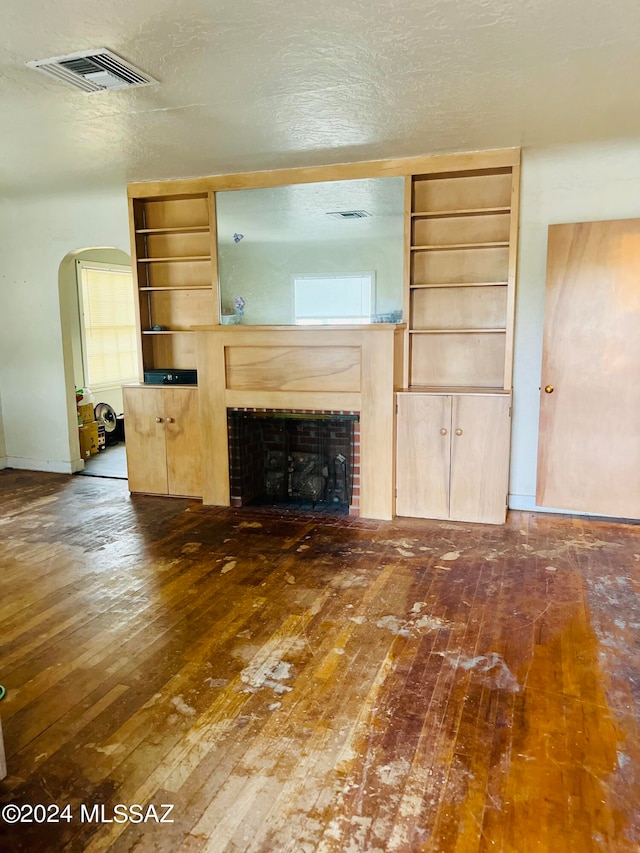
{"x":306,"y":368}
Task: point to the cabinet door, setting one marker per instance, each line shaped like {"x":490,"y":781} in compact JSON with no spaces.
{"x":182,"y":430}
{"x":145,"y":440}
{"x":480,"y":442}
{"x":422,"y":460}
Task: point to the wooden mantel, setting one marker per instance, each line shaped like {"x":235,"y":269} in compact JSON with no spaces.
{"x":346,"y":368}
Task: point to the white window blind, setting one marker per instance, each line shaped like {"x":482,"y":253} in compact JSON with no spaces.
{"x":108,"y":324}
{"x":339,"y":298}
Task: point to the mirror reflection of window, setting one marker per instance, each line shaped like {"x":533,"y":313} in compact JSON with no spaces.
{"x":334,"y":299}
{"x":306,"y":231}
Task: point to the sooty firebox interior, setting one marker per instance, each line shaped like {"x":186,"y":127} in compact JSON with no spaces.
{"x":284,"y":458}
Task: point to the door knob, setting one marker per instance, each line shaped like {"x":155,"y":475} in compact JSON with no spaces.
{"x":443,"y":431}
{"x":170,"y":420}
{"x":458,"y":432}
{"x":158,"y":420}
{"x":548,"y":389}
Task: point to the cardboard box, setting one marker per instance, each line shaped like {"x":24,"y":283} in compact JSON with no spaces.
{"x":86,"y":413}
{"x":88,"y":434}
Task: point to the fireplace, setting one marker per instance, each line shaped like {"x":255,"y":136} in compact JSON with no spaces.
{"x":307,"y":460}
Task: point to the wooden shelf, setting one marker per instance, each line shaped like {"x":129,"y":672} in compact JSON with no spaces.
{"x":453,"y":389}
{"x":456,"y":331}
{"x":472,"y":211}
{"x":459,"y":284}
{"x":169,"y":332}
{"x":184,"y":229}
{"x":447,"y":247}
{"x":176,"y":287}
{"x":173,"y":260}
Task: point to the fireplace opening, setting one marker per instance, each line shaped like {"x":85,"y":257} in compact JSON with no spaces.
{"x":298,"y":460}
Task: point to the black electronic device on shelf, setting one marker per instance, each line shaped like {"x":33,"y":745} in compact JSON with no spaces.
{"x":169,"y":376}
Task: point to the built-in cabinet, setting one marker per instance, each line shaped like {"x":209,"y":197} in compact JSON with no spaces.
{"x":453,"y":419}
{"x":163,"y":440}
{"x":174,"y":244}
{"x":453,"y":371}
{"x":452,"y":456}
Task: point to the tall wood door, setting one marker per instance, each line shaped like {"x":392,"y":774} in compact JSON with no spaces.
{"x":589,"y":436}
{"x":182,"y":430}
{"x":480,"y":440}
{"x":145,"y":440}
{"x":422,"y":459}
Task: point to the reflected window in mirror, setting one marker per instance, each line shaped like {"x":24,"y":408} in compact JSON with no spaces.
{"x":268,"y":239}
{"x":331,"y":300}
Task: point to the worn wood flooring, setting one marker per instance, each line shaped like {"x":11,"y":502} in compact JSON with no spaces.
{"x":299,"y":684}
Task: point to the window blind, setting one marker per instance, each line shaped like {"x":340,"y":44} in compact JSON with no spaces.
{"x":109,"y":339}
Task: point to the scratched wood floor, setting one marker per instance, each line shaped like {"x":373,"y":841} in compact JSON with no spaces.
{"x":297,"y":684}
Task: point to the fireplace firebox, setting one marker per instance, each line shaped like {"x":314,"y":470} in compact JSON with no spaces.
{"x":304,"y":460}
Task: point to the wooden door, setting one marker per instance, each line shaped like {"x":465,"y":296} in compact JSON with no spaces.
{"x":589,"y":438}
{"x":182,"y":430}
{"x":422,"y":459}
{"x":145,"y":440}
{"x":480,"y":440}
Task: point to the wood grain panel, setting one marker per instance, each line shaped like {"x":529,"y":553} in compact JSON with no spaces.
{"x":459,"y":308}
{"x":182,"y":431}
{"x":302,"y":368}
{"x":460,"y":265}
{"x":213,"y":418}
{"x":423,"y":455}
{"x":178,"y":245}
{"x":177,"y":350}
{"x":460,"y":229}
{"x":145,"y":444}
{"x":377,"y":427}
{"x":480,"y":440}
{"x":458,"y":359}
{"x":176,"y":274}
{"x":173,"y":212}
{"x":462,"y":192}
{"x":589,"y":441}
{"x":181,"y":309}
{"x":341,"y":172}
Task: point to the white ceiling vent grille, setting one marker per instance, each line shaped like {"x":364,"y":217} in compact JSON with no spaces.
{"x":349,"y":214}
{"x":93,"y":71}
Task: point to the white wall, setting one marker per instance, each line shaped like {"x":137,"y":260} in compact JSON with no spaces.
{"x":568,"y":184}
{"x":35,"y":235}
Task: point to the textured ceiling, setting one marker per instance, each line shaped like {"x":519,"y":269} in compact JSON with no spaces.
{"x":261,"y":84}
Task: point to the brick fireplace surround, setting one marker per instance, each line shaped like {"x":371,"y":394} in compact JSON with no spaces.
{"x":342,"y":436}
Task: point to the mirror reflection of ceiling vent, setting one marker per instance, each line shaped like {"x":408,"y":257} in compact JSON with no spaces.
{"x":349,"y":214}
{"x":95,"y":70}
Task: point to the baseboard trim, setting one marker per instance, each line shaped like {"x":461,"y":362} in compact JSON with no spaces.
{"x":3,"y":462}
{"x":52,"y":466}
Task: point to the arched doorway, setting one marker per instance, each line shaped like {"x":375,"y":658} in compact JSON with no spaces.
{"x":75,"y":348}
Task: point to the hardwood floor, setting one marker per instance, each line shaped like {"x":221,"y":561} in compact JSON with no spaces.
{"x":298,"y":684}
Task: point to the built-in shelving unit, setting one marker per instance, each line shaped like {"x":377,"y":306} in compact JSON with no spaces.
{"x":461,"y":276}
{"x":175,"y":260}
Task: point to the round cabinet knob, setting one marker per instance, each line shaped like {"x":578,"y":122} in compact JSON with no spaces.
{"x":170,"y":420}
{"x":548,"y":389}
{"x":443,"y":431}
{"x":158,"y":420}
{"x":458,"y":432}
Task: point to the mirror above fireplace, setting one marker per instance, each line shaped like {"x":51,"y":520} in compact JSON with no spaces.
{"x":326,"y":253}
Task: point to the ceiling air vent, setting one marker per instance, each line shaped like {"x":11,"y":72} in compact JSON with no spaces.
{"x":93,"y":71}
{"x":349,"y":214}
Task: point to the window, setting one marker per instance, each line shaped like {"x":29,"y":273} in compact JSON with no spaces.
{"x":337,"y":298}
{"x":108,"y":325}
